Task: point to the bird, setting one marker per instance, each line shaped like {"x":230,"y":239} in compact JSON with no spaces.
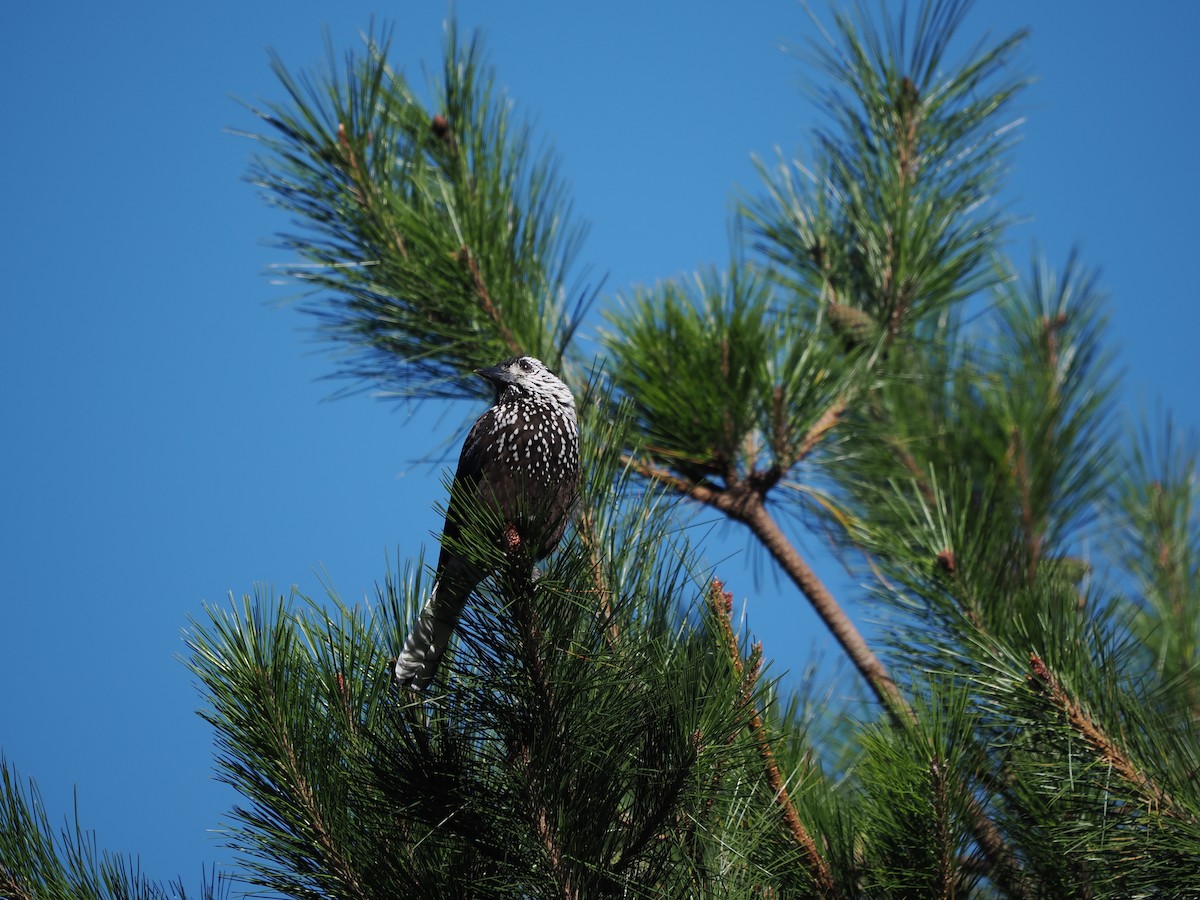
{"x":519,"y":467}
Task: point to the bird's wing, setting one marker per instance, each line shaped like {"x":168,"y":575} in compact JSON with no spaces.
{"x":474,"y":452}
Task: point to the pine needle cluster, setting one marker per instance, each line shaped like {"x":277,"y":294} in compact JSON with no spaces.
{"x":871,"y":371}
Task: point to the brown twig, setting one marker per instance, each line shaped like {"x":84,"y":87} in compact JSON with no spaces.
{"x":827,"y":421}
{"x":1018,"y":462}
{"x":352,"y":161}
{"x":755,"y":515}
{"x":896,"y":290}
{"x":908,"y":104}
{"x":745,"y":503}
{"x":13,"y":888}
{"x":361,"y":185}
{"x":540,"y":817}
{"x":531,"y":637}
{"x":941,"y":814}
{"x":333,"y":856}
{"x":554,"y":852}
{"x":585,"y":527}
{"x":1045,"y":682}
{"x":722,"y":603}
{"x":485,"y":298}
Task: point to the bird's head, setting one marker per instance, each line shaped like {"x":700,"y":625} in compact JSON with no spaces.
{"x":521,"y":377}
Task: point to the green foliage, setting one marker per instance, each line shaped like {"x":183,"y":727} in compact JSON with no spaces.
{"x":918,"y":784}
{"x":436,"y":239}
{"x":722,"y":379}
{"x":988,"y":465}
{"x":573,"y":741}
{"x":36,"y":861}
{"x":602,"y":729}
{"x":895,"y":217}
{"x":1159,"y":546}
{"x":973,"y":497}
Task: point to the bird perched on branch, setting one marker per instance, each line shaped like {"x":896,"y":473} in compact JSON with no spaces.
{"x":519,"y":469}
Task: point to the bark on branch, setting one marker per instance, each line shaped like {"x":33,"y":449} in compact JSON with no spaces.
{"x":747,"y":505}
{"x":745,"y":502}
{"x":1044,"y":681}
{"x":721,"y":603}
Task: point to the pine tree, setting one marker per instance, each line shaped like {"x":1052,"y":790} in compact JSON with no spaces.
{"x":871,"y":369}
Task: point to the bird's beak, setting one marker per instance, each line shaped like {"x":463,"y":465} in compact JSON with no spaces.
{"x":495,"y":375}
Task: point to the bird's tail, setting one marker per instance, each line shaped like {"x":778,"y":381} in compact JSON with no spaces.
{"x":430,"y":635}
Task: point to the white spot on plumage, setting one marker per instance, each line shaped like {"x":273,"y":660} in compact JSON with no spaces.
{"x":522,"y":457}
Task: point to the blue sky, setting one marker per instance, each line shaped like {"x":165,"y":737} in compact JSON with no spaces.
{"x":166,"y":438}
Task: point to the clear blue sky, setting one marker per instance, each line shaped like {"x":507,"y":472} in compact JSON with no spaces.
{"x":164,"y":438}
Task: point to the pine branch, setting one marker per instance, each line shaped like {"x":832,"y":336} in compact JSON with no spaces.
{"x":721,"y":602}
{"x":825,"y":423}
{"x":1159,"y":497}
{"x":941,"y":815}
{"x":752,"y":511}
{"x":436,"y":242}
{"x":1042,"y":680}
{"x":39,"y":862}
{"x":485,"y":299}
{"x":585,"y":527}
{"x":432,"y":241}
{"x":340,"y":866}
{"x":894,"y":219}
{"x":744,"y":503}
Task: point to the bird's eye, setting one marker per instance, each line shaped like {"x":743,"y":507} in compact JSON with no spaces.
{"x":526,"y":365}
